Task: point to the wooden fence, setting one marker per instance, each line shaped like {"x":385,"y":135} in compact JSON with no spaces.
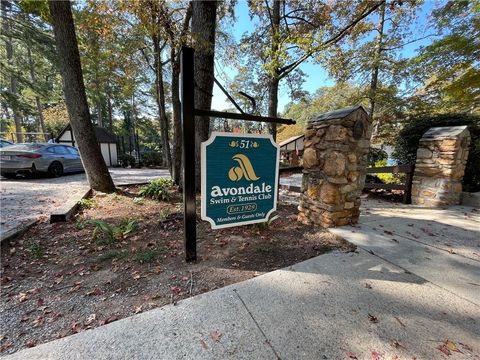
{"x":399,"y":169}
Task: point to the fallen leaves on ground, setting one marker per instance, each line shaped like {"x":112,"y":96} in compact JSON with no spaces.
{"x":76,"y":326}
{"x":395,"y":344}
{"x":204,"y":344}
{"x":108,"y":320}
{"x":448,"y":346}
{"x":95,"y":292}
{"x":216,"y":335}
{"x":376,"y":355}
{"x":176,"y":290}
{"x":90,"y":319}
{"x":351,"y":355}
{"x":5,"y":346}
{"x":372,"y":318}
{"x":444,"y":349}
{"x":38,"y":321}
{"x":30,"y":343}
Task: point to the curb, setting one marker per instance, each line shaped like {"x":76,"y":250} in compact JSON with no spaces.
{"x":12,"y":233}
{"x":67,"y":211}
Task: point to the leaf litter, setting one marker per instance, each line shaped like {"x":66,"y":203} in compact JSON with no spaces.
{"x":78,"y":277}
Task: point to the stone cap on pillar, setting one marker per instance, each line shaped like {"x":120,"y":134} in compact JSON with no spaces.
{"x":336,"y":114}
{"x":445,"y":132}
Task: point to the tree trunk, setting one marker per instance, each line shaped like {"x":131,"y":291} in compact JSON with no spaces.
{"x":203,"y":30}
{"x":177,"y":118}
{"x":41,"y":122}
{"x":160,"y":97}
{"x":100,"y":114}
{"x":274,"y":77}
{"x":76,"y":99}
{"x":13,"y":80}
{"x":175,"y":46}
{"x":273,"y":104}
{"x":375,"y":70}
{"x":110,"y":116}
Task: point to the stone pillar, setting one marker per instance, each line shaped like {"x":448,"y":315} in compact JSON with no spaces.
{"x":336,"y":145}
{"x":441,"y":158}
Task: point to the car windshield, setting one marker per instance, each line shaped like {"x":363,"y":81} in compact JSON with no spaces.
{"x":26,"y":147}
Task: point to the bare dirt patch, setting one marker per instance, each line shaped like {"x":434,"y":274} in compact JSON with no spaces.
{"x":60,"y":279}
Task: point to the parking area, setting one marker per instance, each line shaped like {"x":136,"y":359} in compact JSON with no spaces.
{"x":25,"y":200}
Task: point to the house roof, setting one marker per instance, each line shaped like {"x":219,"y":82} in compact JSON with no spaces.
{"x":337,"y":114}
{"x":291,"y":139}
{"x":102,"y":134}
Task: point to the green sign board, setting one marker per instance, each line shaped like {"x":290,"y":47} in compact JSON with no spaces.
{"x":239,"y":179}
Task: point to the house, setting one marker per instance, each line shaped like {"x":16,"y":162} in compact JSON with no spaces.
{"x":107,"y":141}
{"x":291,"y":149}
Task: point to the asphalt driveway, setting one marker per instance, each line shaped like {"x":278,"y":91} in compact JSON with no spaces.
{"x":26,"y":200}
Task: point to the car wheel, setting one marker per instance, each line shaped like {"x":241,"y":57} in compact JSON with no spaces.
{"x":55,"y":169}
{"x":9,"y":175}
{"x":32,"y":173}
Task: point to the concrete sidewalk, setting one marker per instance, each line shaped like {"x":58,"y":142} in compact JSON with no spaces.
{"x":439,"y":245}
{"x":329,"y":307}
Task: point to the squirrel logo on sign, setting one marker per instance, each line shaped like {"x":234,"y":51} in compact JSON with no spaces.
{"x":244,"y":169}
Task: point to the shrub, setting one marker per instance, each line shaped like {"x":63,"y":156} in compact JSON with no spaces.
{"x":375,"y":155}
{"x":406,"y":143}
{"x":108,"y":231}
{"x":159,"y":189}
{"x":152,"y":158}
{"x":146,"y":256}
{"x":388,"y":178}
{"x":36,"y":250}
{"x":126,"y":159}
{"x":111,"y":233}
{"x":127,"y":226}
{"x":86,"y":203}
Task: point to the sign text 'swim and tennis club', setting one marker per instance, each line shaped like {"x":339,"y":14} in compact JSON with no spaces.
{"x":239,"y":179}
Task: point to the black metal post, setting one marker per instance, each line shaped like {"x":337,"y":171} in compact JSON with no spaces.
{"x":188,"y":128}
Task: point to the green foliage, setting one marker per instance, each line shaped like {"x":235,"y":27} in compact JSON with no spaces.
{"x":126,"y":160}
{"x":113,"y":254}
{"x":86,"y":203}
{"x":36,"y":250}
{"x":159,"y":189}
{"x":127,"y":226}
{"x":387,"y":178}
{"x":56,"y":118}
{"x":266,"y":225}
{"x":448,"y":69}
{"x":376,"y":155}
{"x":165,"y":213}
{"x":79,"y":223}
{"x":147,"y":256}
{"x":107,"y":231}
{"x":325,"y":99}
{"x":407,"y":142}
{"x":110,"y":233}
{"x":138,"y":200}
{"x":153,"y":158}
